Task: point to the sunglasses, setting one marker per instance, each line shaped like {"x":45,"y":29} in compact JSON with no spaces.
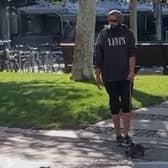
{"x":113,"y":20}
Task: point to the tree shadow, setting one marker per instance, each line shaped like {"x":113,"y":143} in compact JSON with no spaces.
{"x":147,"y":99}
{"x":75,"y":152}
{"x":46,"y":105}
{"x":62,"y":151}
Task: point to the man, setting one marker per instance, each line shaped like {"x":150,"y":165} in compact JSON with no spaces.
{"x":115,"y":64}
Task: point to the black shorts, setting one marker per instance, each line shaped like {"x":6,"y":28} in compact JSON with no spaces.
{"x":119,"y":95}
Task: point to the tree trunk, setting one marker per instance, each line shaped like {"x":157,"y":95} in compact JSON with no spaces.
{"x":82,"y":67}
{"x":133,"y":17}
{"x":158,"y":19}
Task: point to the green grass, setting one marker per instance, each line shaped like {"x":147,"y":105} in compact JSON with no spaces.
{"x":150,"y":90}
{"x":54,"y":101}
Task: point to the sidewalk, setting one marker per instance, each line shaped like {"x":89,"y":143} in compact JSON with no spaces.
{"x":93,"y":147}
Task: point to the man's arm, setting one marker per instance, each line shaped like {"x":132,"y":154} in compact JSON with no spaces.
{"x":132,"y":65}
{"x":99,"y":51}
{"x":132,"y":56}
{"x":99,"y":58}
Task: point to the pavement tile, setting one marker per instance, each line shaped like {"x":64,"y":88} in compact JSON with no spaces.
{"x":20,"y":162}
{"x":145,"y":140}
{"x":162,"y":140}
{"x":60,"y":133}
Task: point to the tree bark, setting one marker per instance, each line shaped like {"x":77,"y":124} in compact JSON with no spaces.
{"x":82,"y":67}
{"x":133,"y":17}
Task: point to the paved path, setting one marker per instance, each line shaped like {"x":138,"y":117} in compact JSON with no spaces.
{"x":90,"y":148}
{"x":149,"y":125}
{"x":38,"y":149}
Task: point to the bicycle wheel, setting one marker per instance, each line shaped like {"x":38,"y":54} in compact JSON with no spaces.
{"x":7,"y":67}
{"x":27,"y":67}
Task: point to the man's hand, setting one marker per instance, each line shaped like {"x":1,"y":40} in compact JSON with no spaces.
{"x":131,"y":76}
{"x":99,"y":80}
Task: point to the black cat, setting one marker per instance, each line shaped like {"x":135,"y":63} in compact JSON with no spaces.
{"x":135,"y":151}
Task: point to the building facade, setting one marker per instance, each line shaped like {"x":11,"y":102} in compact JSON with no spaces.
{"x":49,"y":22}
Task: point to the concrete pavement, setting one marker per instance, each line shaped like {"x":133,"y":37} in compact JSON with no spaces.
{"x":93,"y":147}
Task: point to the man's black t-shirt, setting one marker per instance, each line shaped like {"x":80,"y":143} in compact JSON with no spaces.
{"x":114,"y":46}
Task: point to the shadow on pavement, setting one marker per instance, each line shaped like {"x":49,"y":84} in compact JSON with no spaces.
{"x":61,"y":151}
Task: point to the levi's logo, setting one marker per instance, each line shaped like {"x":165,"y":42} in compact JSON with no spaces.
{"x":116,"y":41}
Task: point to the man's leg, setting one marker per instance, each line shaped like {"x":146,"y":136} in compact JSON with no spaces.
{"x":115,"y":105}
{"x":126,"y":123}
{"x":115,"y":108}
{"x":116,"y":122}
{"x":126,"y":107}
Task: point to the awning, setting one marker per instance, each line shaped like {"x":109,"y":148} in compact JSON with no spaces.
{"x":43,"y":9}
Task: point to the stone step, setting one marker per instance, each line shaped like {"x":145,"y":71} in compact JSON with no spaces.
{"x":153,"y":110}
{"x":151,"y":140}
{"x":163,"y":105}
{"x":150,"y":125}
{"x":139,"y":124}
{"x":109,"y":135}
{"x":151,"y":164}
{"x":146,"y":116}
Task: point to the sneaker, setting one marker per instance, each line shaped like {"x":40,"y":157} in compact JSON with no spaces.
{"x":128,"y":141}
{"x":119,"y":140}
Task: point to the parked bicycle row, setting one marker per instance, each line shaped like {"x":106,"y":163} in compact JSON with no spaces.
{"x":32,"y":59}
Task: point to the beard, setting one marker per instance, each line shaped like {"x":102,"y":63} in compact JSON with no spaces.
{"x":114,"y":26}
